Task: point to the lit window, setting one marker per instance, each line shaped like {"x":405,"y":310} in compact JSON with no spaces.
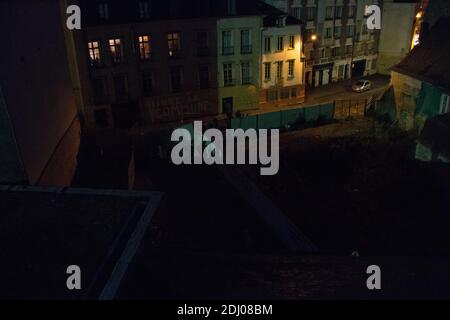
{"x":267,"y":70}
{"x":103,"y":10}
{"x":228,"y":74}
{"x":173,"y":43}
{"x":94,"y":53}
{"x":291,"y":42}
{"x":267,"y":44}
{"x":144,"y":9}
{"x":115,"y":49}
{"x":291,"y":68}
{"x":144,"y":47}
{"x":279,"y":70}
{"x":280,"y":45}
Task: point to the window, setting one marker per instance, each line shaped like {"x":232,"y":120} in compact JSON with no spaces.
{"x":296,"y":12}
{"x":174,"y":44}
{"x":329,"y":13}
{"x":272,"y":95}
{"x":350,"y":31}
{"x":310,"y":13}
{"x":291,"y":68}
{"x":95,"y":58}
{"x":120,"y":86}
{"x":103,"y":10}
{"x":328,"y":32}
{"x":445,"y":104}
{"x":176,"y":78}
{"x":246,"y":46}
{"x":228,"y":74}
{"x":245,"y":70}
{"x":202,"y":43}
{"x":147,"y":83}
{"x":338,"y":14}
{"x":227,"y":43}
{"x":294,"y":93}
{"x":116,"y":50}
{"x":280,"y":44}
{"x":144,"y":47}
{"x":284,"y":94}
{"x":337,"y":32}
{"x":203,"y":76}
{"x":99,"y":89}
{"x":291,"y":42}
{"x":267,"y":70}
{"x":365,"y":29}
{"x":267,"y":44}
{"x":335,"y":51}
{"x":231,"y":6}
{"x":279,"y":70}
{"x":322,"y":53}
{"x":351,"y":11}
{"x":144,"y":9}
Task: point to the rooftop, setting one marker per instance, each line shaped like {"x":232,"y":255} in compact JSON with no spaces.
{"x":429,"y":61}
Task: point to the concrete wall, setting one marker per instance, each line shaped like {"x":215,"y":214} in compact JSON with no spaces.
{"x":36,"y":83}
{"x":396,"y":34}
{"x":245,"y":97}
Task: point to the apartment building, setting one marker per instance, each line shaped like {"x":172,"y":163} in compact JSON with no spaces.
{"x":239,"y":62}
{"x":337,"y":43}
{"x":282,"y":77}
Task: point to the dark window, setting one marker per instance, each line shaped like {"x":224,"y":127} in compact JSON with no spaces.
{"x":101,"y":118}
{"x":103,"y":10}
{"x":147,"y":83}
{"x":245,"y":71}
{"x":144,"y":9}
{"x":228,"y":74}
{"x":202,"y":44}
{"x":227,"y":43}
{"x":120,"y":87}
{"x":99,"y":89}
{"x":203,"y":75}
{"x":246,"y":46}
{"x":176,"y":78}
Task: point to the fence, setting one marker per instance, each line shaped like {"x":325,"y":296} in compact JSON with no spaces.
{"x":350,"y":108}
{"x":284,"y":118}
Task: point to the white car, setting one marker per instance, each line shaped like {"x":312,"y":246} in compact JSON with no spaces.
{"x":362,"y":85}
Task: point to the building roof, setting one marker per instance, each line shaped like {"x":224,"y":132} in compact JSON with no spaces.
{"x":45,"y":230}
{"x":429,"y":61}
{"x":123,"y":12}
{"x":436,"y":135}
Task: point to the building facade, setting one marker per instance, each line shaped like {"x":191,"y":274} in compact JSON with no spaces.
{"x":337,"y":43}
{"x":239,"y":51}
{"x":282,"y":69}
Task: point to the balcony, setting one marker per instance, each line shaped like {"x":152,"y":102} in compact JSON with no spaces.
{"x":246,"y":49}
{"x":227,"y":51}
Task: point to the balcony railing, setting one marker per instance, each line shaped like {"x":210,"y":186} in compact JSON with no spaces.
{"x":246,"y":49}
{"x":227,"y":51}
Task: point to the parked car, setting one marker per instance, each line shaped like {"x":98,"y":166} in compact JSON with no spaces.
{"x":362,"y":85}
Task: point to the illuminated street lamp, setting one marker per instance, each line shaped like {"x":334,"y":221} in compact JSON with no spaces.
{"x":313,"y":37}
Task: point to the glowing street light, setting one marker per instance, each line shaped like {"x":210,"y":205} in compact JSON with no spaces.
{"x":314,"y":37}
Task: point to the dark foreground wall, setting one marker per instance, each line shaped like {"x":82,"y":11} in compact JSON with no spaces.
{"x":37,"y":89}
